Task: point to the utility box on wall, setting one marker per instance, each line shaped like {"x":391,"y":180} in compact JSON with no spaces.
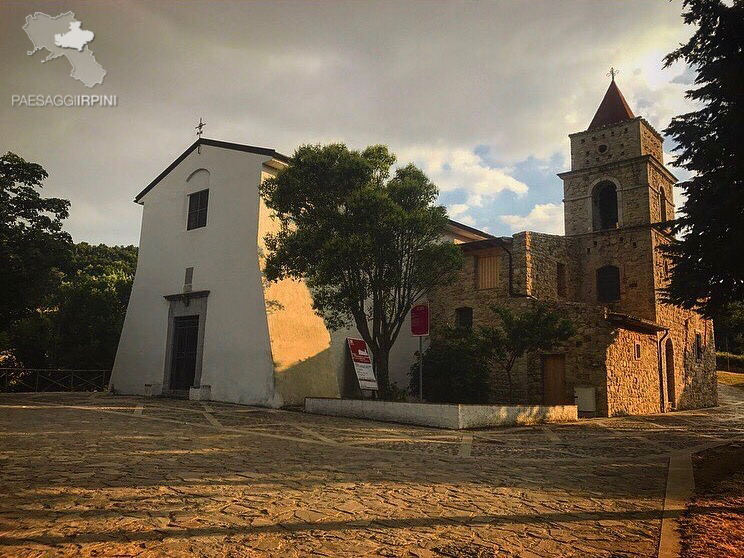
{"x":585,"y":397}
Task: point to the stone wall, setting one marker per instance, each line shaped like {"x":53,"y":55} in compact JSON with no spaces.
{"x":601,"y":354}
{"x":651,"y":141}
{"x":543,"y":254}
{"x":585,"y":352}
{"x":633,"y":384}
{"x":631,"y":181}
{"x":660,"y":181}
{"x":694,"y":375}
{"x":622,"y":141}
{"x":630,"y":250}
{"x":632,"y":158}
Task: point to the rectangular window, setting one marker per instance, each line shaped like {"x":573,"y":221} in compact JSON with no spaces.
{"x":198,"y":210}
{"x":637,"y":351}
{"x":188,"y":277}
{"x":561,"y":278}
{"x":698,"y":346}
{"x":464,"y":317}
{"x":608,"y":284}
{"x":488,"y":272}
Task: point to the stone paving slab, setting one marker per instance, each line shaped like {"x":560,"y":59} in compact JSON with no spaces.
{"x":87,"y":475}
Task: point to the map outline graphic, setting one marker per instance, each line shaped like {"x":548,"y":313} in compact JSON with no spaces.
{"x":43,"y":29}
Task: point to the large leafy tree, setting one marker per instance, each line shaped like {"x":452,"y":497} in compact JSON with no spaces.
{"x":708,"y":271}
{"x":79,"y":324}
{"x":368,"y":244}
{"x":33,"y":246}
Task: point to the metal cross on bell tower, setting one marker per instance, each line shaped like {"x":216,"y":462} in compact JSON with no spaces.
{"x":612,"y":73}
{"x":199,"y":131}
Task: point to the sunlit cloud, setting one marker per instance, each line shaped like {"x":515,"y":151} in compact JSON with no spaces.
{"x":462,"y":170}
{"x":546,"y":218}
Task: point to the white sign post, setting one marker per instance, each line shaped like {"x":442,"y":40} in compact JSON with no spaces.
{"x":362,"y":364}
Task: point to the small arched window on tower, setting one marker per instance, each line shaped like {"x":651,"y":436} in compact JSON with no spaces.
{"x":662,"y":206}
{"x":604,"y":206}
{"x":608,"y":284}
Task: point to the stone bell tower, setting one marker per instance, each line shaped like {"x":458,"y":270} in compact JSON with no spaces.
{"x":616,"y":189}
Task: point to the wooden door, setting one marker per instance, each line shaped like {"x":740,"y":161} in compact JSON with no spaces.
{"x":185,"y":344}
{"x":554,"y":379}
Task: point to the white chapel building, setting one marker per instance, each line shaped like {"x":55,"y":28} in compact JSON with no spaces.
{"x":202,"y":321}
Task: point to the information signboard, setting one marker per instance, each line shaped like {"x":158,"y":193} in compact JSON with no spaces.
{"x":362,"y":364}
{"x":420,"y":319}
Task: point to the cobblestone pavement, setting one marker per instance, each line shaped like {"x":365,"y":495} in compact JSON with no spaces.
{"x":101,"y":475}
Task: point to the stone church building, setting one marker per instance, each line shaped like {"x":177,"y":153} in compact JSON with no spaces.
{"x":632,"y":353}
{"x":203,"y":323}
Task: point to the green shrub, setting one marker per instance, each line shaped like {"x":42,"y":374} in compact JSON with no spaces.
{"x":455,"y":367}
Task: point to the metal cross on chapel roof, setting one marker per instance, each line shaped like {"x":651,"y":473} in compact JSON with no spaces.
{"x":200,"y":128}
{"x":612,"y":73}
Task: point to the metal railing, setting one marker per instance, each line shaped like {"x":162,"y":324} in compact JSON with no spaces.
{"x":18,"y":380}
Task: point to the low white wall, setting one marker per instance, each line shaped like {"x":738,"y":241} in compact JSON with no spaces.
{"x":441,"y":415}
{"x":479,"y":416}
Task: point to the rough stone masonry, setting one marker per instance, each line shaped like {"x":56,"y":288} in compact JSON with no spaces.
{"x":632,"y":353}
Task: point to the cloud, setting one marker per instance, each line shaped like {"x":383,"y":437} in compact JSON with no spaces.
{"x":687,"y":77}
{"x":546,"y":218}
{"x":430,"y":79}
{"x":457,"y":209}
{"x":467,"y":220}
{"x":462,"y":170}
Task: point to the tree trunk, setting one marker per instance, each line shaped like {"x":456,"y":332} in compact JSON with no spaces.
{"x":382,"y":369}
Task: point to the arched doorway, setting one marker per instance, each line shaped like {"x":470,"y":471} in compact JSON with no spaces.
{"x":669,"y":351}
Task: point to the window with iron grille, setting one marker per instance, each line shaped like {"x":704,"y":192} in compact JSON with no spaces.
{"x":198,"y":210}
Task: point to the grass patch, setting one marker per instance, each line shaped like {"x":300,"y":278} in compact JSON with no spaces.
{"x":731,"y":379}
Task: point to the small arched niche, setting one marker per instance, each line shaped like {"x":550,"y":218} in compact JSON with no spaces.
{"x":604,"y":206}
{"x":198,"y":180}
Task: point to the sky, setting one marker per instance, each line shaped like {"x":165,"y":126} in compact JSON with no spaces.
{"x":481,"y":95}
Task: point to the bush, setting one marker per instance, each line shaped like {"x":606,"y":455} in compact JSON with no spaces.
{"x":456,"y":368}
{"x":730,"y":362}
{"x":392,"y":393}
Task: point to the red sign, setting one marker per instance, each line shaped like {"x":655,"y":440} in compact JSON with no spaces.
{"x":362,"y":364}
{"x":420,"y":319}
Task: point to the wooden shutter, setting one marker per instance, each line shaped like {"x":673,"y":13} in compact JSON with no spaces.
{"x":488,"y":272}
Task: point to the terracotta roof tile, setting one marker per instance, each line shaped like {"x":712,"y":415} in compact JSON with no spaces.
{"x":612,"y":109}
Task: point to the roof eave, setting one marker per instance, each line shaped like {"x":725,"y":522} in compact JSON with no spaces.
{"x":212,"y":143}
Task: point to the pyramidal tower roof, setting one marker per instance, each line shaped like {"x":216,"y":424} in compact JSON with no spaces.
{"x":613,"y":108}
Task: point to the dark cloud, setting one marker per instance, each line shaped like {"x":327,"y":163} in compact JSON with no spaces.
{"x":512,"y":77}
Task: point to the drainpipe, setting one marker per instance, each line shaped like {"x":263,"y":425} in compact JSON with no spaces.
{"x":661,"y":372}
{"x":511,"y":271}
